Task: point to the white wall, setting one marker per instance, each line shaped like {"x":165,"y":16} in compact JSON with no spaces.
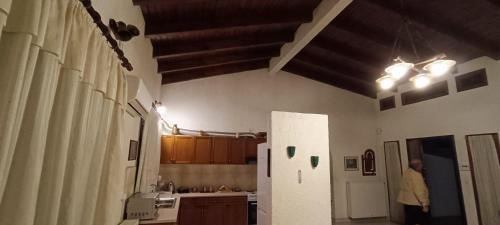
{"x":242,"y":102}
{"x":138,"y":50}
{"x":304,"y":200}
{"x":471,"y":112}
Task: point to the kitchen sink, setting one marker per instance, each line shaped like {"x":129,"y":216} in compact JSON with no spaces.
{"x":165,"y":200}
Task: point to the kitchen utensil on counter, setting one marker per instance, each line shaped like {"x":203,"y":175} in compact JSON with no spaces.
{"x":171,"y":187}
{"x":182,"y":190}
{"x":211,"y":189}
{"x":194,"y":190}
{"x":223,"y":188}
{"x":236,"y":189}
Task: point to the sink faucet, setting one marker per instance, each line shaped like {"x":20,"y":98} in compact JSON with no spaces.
{"x":153,"y":187}
{"x":171,"y":187}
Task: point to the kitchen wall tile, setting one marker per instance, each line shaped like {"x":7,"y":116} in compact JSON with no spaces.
{"x":242,"y":176}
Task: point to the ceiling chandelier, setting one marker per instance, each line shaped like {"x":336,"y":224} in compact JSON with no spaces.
{"x":421,"y":72}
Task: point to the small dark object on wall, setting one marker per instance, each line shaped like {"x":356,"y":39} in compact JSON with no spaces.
{"x":368,"y":163}
{"x":132,"y":150}
{"x":351,"y":163}
{"x":122,"y":31}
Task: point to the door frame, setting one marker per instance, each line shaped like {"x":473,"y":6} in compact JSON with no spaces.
{"x":471,"y":165}
{"x":386,"y":178}
{"x":457,"y":169}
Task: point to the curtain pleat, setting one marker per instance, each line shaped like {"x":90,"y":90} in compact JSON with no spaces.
{"x":4,"y":12}
{"x":62,"y":94}
{"x":24,"y":29}
{"x":486,"y":168}
{"x":149,"y":161}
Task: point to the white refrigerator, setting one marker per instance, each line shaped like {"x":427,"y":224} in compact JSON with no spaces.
{"x":291,"y":189}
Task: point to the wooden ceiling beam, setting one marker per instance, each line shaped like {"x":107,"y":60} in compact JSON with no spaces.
{"x":378,"y":37}
{"x":357,"y":54}
{"x":324,"y":13}
{"x":199,"y":54}
{"x":178,"y":65}
{"x":172,"y":77}
{"x":159,"y":28}
{"x":165,"y":2}
{"x":439,"y":26}
{"x":335,"y":66}
{"x":332,"y":78}
{"x":358,"y":28}
{"x":165,"y":48}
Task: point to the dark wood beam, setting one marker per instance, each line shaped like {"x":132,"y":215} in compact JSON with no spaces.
{"x":159,"y":28}
{"x":165,"y":48}
{"x":355,"y":53}
{"x":335,"y":79}
{"x":336,"y":66}
{"x":358,"y":28}
{"x":186,"y":75}
{"x":384,"y":41}
{"x":440,"y":26}
{"x":219,"y":51}
{"x":165,"y":2}
{"x":177,"y":65}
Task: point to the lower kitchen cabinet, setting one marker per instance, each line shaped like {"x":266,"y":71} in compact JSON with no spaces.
{"x":191,"y":215}
{"x":214,"y":214}
{"x":213,"y":211}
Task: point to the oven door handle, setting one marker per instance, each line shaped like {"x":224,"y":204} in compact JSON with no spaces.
{"x":253,"y":203}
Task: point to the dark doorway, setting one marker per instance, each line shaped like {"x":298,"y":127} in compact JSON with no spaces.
{"x":442,"y":177}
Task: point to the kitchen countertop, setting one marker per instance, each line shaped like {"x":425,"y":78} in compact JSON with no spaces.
{"x":169,"y":215}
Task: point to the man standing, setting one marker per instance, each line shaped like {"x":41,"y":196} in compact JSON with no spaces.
{"x":414,"y":194}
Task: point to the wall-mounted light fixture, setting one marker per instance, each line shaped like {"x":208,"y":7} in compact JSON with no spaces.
{"x":290,"y":150}
{"x":314,"y":161}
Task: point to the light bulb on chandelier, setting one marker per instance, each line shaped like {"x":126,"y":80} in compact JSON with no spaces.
{"x":386,"y":82}
{"x":439,"y":67}
{"x":421,"y":80}
{"x":399,"y":70}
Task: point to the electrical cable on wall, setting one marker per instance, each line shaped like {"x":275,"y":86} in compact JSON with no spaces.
{"x":175,"y":130}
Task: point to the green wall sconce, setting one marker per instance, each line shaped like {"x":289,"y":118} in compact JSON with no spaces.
{"x":290,"y":150}
{"x":314,"y":161}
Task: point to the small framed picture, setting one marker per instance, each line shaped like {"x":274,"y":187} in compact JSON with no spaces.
{"x":351,"y":163}
{"x":132,"y":150}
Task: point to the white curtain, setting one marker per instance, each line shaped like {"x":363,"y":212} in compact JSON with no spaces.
{"x":62,"y":96}
{"x":149,"y":164}
{"x":486,"y":168}
{"x":393,"y":168}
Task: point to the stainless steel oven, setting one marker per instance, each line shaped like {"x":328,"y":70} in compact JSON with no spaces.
{"x":252,"y":209}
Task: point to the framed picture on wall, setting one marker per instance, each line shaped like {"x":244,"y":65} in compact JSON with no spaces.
{"x":132,"y":150}
{"x":351,"y":163}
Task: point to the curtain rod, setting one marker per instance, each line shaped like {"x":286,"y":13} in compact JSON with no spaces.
{"x":105,"y":32}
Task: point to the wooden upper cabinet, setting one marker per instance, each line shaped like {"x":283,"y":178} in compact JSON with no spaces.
{"x":184,"y":149}
{"x":220,"y":150}
{"x":167,"y":149}
{"x":237,"y":150}
{"x":202,"y":150}
{"x":251,"y":147}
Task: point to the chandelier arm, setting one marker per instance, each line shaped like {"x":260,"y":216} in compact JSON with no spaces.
{"x":396,"y":44}
{"x":417,"y":32}
{"x":412,"y":41}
